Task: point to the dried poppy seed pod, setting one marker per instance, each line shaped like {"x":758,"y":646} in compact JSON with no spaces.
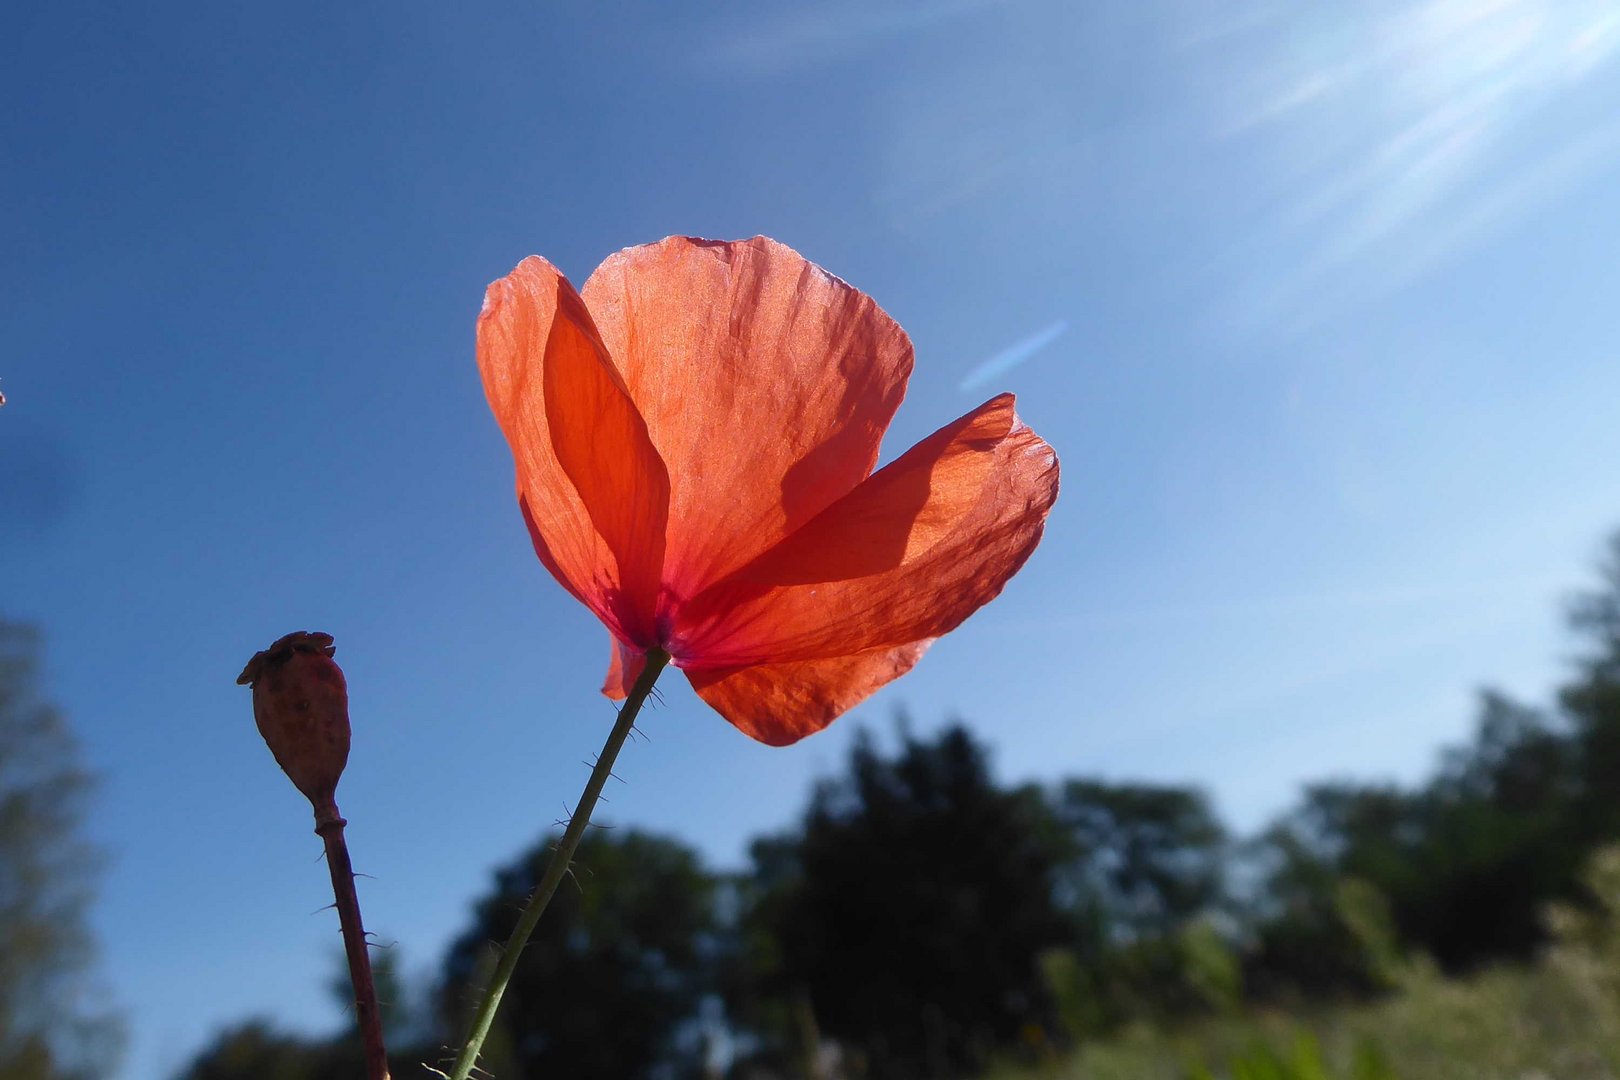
{"x":301,"y":704}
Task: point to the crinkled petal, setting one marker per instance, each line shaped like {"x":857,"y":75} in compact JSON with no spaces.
{"x":780,"y":704}
{"x":915,"y":549}
{"x":593,"y":490}
{"x":766,"y":384}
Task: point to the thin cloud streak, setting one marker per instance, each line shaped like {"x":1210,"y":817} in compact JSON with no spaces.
{"x":1012,"y":356}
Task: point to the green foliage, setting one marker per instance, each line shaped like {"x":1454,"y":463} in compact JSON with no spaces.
{"x":1187,"y":972}
{"x":1078,"y":1008}
{"x":1210,"y":969}
{"x":1586,"y":938}
{"x":1364,"y":912}
{"x":46,"y":875}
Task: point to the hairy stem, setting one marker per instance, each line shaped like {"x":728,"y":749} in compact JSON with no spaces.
{"x":330,"y":827}
{"x":556,"y":867}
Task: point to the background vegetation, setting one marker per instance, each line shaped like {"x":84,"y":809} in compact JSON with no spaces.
{"x":926,"y":920}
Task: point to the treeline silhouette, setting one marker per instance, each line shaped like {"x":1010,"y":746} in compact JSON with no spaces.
{"x":924,"y":919}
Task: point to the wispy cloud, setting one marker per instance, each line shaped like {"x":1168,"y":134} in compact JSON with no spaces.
{"x":1013,"y":355}
{"x":1398,"y":138}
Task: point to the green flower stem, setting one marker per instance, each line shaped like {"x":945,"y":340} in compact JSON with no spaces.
{"x":558,"y":866}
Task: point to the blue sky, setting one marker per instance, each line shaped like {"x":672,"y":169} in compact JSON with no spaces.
{"x":1316,"y":302}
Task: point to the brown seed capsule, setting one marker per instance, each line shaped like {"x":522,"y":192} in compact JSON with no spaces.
{"x":301,"y":705}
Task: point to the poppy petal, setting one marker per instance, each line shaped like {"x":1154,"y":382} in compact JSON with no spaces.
{"x":780,"y":704}
{"x":625,"y":666}
{"x":915,"y":549}
{"x":766,"y":384}
{"x":594,"y":491}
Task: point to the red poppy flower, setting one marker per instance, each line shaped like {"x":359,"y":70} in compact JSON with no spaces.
{"x":694,"y":438}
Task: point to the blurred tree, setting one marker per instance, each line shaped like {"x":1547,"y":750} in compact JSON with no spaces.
{"x":763,"y":1000}
{"x":612,"y":983}
{"x":910,"y":921}
{"x":1469,"y":861}
{"x":256,"y":1051}
{"x":1302,"y":943}
{"x":403,"y":1021}
{"x":1147,"y":858}
{"x":1500,"y":840}
{"x":1141,"y":872}
{"x":1466,"y":863}
{"x":1592,"y":701}
{"x":46,"y":875}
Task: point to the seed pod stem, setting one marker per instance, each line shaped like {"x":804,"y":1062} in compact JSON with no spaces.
{"x":367,"y":1014}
